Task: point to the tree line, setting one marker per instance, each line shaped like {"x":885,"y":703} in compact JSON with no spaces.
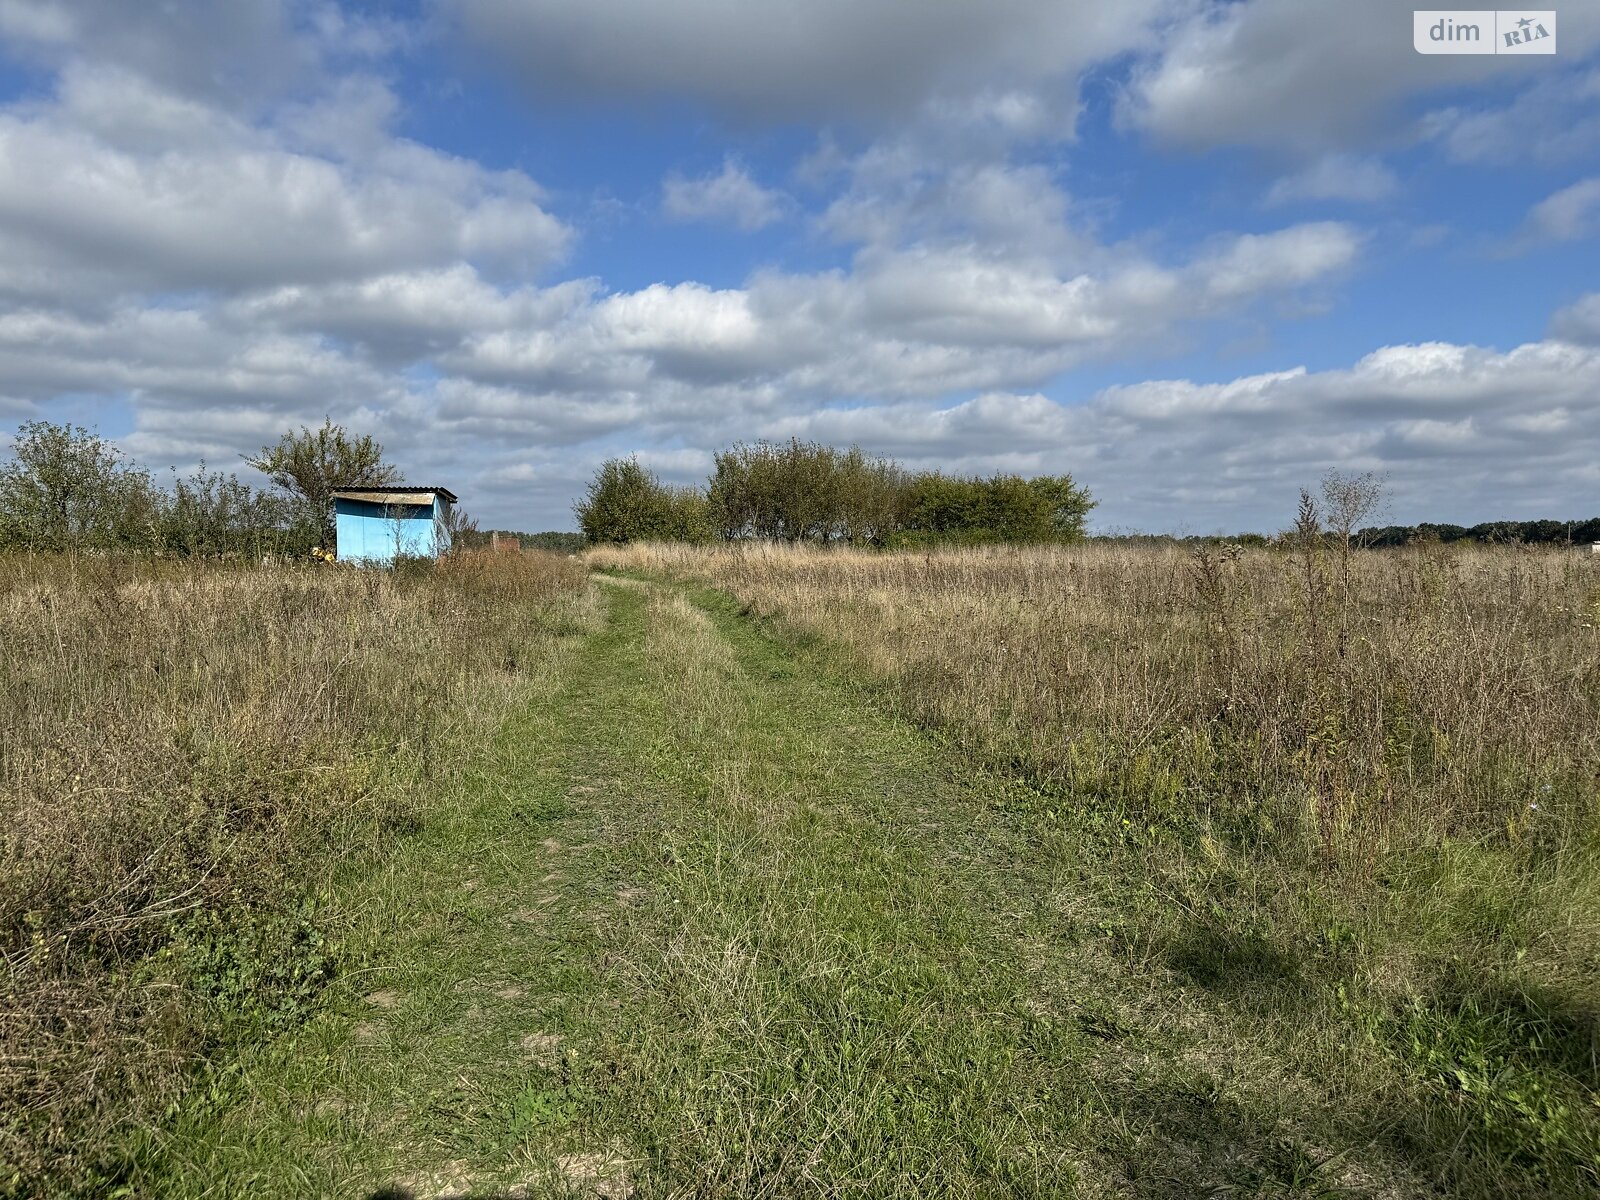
{"x":1382,"y":537}
{"x":808,"y":492}
{"x":1531,"y":533}
{"x":67,"y":488}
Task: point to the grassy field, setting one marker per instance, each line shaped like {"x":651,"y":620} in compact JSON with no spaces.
{"x":188,"y":755}
{"x":763,"y":872}
{"x":1344,"y":808}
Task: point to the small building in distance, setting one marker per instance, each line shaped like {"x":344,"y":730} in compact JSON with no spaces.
{"x":377,"y":525}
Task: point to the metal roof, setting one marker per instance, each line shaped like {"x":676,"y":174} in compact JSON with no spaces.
{"x":399,"y":493}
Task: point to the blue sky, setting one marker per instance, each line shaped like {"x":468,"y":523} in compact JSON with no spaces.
{"x":1193,"y":253}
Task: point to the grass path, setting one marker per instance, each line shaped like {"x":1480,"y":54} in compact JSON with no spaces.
{"x":712,"y":925}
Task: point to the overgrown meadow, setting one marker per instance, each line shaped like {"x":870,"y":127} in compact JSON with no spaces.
{"x":1347,"y":802}
{"x":1313,"y":826}
{"x":188,"y":753}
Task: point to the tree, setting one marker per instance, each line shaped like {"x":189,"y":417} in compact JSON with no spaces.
{"x":626,"y":503}
{"x":67,"y":488}
{"x":804,"y":491}
{"x":1010,"y":510}
{"x":939,"y":507}
{"x":782,"y":492}
{"x":1066,"y":505}
{"x":1002,"y":508}
{"x":210,"y":513}
{"x":870,"y":497}
{"x":312,"y":464}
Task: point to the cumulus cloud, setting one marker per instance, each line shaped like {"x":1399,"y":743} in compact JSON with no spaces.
{"x":1287,"y":258}
{"x":899,"y":194}
{"x":406,"y":316}
{"x":1460,"y":432}
{"x":823,"y":59}
{"x":926,"y":319}
{"x":522,"y":371}
{"x":1298,"y":77}
{"x":119,"y":186}
{"x":729,"y":196}
{"x":231,"y":246}
{"x":241,"y":52}
{"x":228,"y":272}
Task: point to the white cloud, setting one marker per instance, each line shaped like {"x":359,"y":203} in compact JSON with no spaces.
{"x":243,"y":245}
{"x":120,"y":187}
{"x":1555,"y":119}
{"x":514,"y":374}
{"x":410,"y":315}
{"x":1568,"y":215}
{"x":900,"y":193}
{"x":1301,"y":77}
{"x":819,"y":59}
{"x":1336,"y":177}
{"x":1461,"y":433}
{"x":730,"y":196}
{"x":35,"y":21}
{"x":1579,"y":322}
{"x":1287,"y":258}
{"x":241,"y":53}
{"x":924,"y":320}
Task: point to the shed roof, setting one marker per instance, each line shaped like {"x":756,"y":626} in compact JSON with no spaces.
{"x":400,"y":493}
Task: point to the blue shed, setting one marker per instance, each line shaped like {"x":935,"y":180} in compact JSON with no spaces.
{"x":379,"y":524}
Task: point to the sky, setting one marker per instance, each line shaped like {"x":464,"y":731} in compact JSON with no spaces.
{"x":1193,"y":253}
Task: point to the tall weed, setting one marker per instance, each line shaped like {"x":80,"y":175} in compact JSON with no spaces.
{"x":187,"y":753}
{"x":1351,"y":799}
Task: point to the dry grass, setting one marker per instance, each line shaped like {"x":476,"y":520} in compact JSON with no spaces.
{"x":186,"y":754}
{"x":1448,"y":694}
{"x":1348,"y":804}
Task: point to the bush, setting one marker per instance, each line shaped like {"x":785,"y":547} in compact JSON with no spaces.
{"x":210,"y":514}
{"x":807,"y":492}
{"x":626,"y":503}
{"x":556,"y":541}
{"x":69,"y":489}
{"x":1005,"y":508}
{"x":1532,"y":533}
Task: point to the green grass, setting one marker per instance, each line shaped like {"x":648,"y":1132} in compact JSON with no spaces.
{"x":711,"y":923}
{"x":189,"y":753}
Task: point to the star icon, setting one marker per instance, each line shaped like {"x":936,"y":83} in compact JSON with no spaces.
{"x":1525,"y":22}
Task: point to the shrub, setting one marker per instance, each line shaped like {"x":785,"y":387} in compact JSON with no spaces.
{"x":187,"y":752}
{"x":807,"y":492}
{"x":626,"y":503}
{"x":66,"y":488}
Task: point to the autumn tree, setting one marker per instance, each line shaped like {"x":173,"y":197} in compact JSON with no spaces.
{"x":68,"y":488}
{"x":312,"y":464}
{"x":624,"y":502}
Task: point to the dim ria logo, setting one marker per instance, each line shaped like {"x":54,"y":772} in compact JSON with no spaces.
{"x":1483,"y":31}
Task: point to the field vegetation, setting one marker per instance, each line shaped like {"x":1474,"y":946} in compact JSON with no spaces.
{"x":189,"y":754}
{"x":807,"y":492}
{"x":1340,"y":807}
{"x":66,"y":489}
{"x":879,"y":837}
